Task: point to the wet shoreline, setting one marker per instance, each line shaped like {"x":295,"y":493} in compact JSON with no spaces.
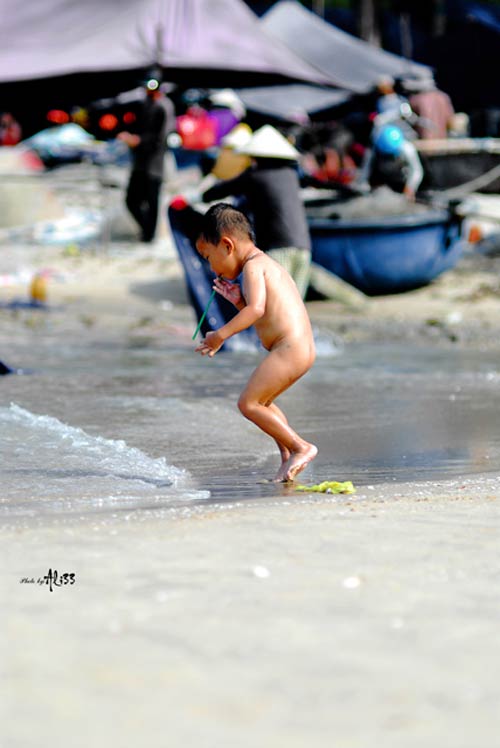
{"x":381,"y":415}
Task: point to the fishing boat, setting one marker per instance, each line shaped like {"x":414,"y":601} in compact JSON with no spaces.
{"x":385,"y":254}
{"x":463,"y":165}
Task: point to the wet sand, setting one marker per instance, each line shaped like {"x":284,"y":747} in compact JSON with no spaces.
{"x":263,"y":617}
{"x":366,"y":620}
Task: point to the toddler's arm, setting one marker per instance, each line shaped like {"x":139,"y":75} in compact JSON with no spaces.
{"x":253,"y":310}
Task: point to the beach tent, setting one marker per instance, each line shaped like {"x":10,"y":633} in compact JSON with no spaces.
{"x":293,"y":102}
{"x":198,"y":42}
{"x":351,"y":65}
{"x":348,"y":62}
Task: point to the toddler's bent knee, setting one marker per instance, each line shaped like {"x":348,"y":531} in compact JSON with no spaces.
{"x":246,"y":407}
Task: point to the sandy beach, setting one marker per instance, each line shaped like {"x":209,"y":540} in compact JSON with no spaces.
{"x":236,"y":613}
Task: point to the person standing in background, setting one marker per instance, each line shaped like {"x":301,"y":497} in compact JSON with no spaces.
{"x":148,"y":146}
{"x":435,"y":112}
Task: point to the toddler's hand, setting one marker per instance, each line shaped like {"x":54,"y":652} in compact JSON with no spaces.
{"x":210,"y":344}
{"x":230,"y":291}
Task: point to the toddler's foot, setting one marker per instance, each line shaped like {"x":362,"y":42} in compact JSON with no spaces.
{"x":299,"y":461}
{"x":280,"y":476}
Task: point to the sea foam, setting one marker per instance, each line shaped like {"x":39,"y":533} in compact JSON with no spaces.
{"x":39,"y":449}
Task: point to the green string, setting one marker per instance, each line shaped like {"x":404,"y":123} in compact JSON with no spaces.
{"x":203,"y":315}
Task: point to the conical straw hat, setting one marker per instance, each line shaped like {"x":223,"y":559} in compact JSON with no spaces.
{"x":267,"y":142}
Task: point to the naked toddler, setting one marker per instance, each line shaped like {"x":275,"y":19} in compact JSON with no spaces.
{"x":270,"y":301}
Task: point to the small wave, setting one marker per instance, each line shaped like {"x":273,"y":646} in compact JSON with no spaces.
{"x":40,"y":448}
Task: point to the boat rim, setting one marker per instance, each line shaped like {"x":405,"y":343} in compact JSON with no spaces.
{"x":429,"y":218}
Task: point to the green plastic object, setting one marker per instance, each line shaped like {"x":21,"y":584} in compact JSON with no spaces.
{"x":202,"y":318}
{"x":329,"y":486}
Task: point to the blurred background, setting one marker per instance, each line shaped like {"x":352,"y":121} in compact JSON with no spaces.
{"x":457,"y":38}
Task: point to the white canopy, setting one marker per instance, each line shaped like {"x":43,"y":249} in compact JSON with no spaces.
{"x":50,"y":38}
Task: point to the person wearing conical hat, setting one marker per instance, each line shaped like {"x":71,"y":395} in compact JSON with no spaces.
{"x":230,"y":163}
{"x":271,"y":192}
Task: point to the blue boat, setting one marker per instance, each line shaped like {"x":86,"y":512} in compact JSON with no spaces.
{"x":389,"y":254}
{"x":199,"y":280}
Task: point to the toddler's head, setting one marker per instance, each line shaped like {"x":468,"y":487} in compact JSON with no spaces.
{"x":224,"y":220}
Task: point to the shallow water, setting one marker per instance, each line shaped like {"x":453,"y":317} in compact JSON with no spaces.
{"x":106,"y":424}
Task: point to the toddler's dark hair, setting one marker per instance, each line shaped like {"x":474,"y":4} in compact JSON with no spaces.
{"x":222,"y":219}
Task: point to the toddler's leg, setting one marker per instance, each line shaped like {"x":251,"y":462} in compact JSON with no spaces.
{"x":284,"y":451}
{"x":279,"y":370}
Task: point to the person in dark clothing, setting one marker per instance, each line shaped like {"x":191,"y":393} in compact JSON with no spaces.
{"x":393,"y":160}
{"x":157,"y":120}
{"x":271,"y":189}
